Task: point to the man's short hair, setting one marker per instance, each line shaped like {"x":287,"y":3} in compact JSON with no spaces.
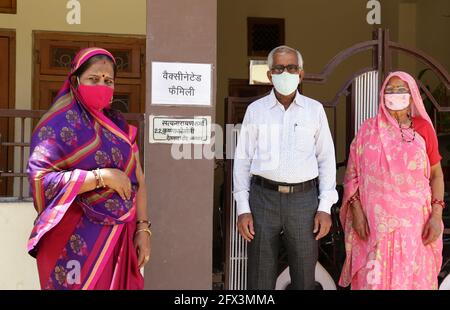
{"x":284,"y":49}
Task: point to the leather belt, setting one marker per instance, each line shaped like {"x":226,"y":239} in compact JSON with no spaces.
{"x":284,"y":188}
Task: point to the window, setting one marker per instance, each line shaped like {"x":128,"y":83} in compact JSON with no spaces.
{"x":264,"y":34}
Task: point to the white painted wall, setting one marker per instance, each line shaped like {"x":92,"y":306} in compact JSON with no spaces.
{"x":18,"y":269}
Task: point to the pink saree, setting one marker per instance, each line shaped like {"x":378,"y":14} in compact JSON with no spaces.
{"x":82,"y":241}
{"x":392,"y":177}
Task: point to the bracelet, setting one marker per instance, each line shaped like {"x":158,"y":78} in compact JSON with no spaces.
{"x":149,"y":224}
{"x":102,"y":182}
{"x":97,"y":178}
{"x":436,"y":201}
{"x":148,"y":231}
{"x":354,"y":198}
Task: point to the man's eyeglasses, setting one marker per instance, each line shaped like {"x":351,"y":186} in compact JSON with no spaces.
{"x":279,"y":69}
{"x":396,"y":90}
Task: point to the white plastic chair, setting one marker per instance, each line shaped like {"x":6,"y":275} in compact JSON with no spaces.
{"x":322,"y":276}
{"x":445,"y":285}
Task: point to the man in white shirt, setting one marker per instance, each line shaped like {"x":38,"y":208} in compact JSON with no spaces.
{"x":284,"y":177}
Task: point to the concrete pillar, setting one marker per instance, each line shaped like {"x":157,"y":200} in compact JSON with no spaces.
{"x":180,"y":191}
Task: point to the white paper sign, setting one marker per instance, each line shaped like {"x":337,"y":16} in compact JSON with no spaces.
{"x":181,"y":83}
{"x":180,"y":130}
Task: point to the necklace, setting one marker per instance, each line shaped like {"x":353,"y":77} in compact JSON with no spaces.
{"x":404,"y":130}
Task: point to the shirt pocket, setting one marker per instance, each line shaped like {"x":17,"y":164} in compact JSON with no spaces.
{"x":304,"y":141}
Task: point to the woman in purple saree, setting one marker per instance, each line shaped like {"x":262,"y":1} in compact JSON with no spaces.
{"x":92,"y":231}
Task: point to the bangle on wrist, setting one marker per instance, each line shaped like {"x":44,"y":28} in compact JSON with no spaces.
{"x":149,"y":224}
{"x":353,"y":199}
{"x":97,"y":178}
{"x":148,"y":231}
{"x":439,"y":202}
{"x":102,"y":182}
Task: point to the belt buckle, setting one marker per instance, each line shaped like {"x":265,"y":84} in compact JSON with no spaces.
{"x":284,"y":189}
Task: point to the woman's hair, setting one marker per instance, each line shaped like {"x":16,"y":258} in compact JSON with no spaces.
{"x":91,"y":61}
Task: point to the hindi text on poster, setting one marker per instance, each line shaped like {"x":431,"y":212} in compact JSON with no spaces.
{"x":181,"y":83}
{"x":180,"y":130}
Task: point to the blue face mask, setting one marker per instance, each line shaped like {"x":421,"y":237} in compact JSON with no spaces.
{"x":285,"y":83}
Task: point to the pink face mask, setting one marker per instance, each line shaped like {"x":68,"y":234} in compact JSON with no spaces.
{"x":397,"y":102}
{"x":96,"y":97}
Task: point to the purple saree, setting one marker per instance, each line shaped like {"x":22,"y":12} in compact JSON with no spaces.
{"x":82,"y":241}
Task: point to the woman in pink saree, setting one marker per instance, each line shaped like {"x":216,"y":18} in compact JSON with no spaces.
{"x":92,"y":230}
{"x":393,"y":196}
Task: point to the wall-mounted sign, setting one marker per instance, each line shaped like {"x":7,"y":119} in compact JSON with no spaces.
{"x":176,"y":83}
{"x":180,"y":130}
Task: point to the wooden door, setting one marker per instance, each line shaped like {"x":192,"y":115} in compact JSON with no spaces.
{"x":7,"y":76}
{"x":8,"y":6}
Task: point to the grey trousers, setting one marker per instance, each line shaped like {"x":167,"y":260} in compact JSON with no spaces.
{"x":293,"y":214}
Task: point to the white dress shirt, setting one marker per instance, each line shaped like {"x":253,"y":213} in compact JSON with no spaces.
{"x":290,"y":146}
